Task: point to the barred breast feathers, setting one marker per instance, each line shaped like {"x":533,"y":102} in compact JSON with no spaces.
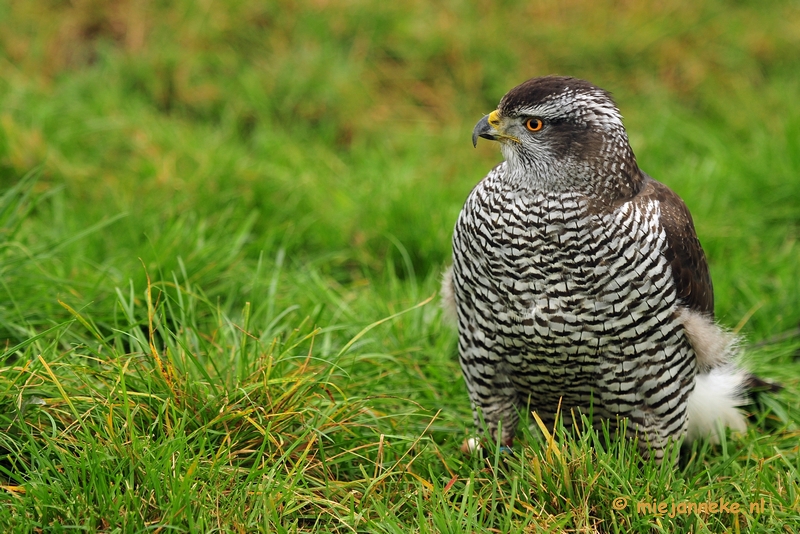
{"x":719,"y":383}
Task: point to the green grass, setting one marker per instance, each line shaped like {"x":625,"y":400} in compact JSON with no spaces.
{"x":222,"y":227}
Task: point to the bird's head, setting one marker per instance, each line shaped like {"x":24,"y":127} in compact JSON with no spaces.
{"x":562,"y":133}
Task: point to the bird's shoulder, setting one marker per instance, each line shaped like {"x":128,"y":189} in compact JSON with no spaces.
{"x":683,"y":250}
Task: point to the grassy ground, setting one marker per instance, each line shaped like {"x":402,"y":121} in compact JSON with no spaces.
{"x":222,"y":227}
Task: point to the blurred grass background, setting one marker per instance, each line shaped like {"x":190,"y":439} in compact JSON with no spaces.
{"x":274,"y":167}
{"x":337,"y":124}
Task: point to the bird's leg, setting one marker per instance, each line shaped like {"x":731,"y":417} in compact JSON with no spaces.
{"x":500,"y":418}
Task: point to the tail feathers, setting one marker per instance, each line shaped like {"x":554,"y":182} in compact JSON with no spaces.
{"x":755,"y":385}
{"x":721,"y":387}
{"x":716,"y":397}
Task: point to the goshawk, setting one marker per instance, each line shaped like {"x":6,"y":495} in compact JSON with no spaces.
{"x":578,"y":280}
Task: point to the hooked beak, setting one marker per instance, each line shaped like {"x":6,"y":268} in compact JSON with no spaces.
{"x":491,"y":127}
{"x":483,"y":129}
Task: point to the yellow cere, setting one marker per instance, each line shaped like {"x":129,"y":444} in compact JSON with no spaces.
{"x":497,"y":123}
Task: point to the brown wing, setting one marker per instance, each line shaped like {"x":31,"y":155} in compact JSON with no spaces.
{"x":684,"y":253}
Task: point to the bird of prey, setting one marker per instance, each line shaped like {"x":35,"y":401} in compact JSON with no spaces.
{"x":578,"y":281}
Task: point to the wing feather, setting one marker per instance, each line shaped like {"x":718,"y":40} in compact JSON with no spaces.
{"x":684,"y":253}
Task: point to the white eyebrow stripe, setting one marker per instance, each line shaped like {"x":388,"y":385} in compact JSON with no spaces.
{"x":580,"y":106}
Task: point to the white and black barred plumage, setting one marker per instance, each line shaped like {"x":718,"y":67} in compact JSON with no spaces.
{"x":579,"y":280}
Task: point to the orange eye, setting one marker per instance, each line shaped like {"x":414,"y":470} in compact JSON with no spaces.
{"x":534,"y":125}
